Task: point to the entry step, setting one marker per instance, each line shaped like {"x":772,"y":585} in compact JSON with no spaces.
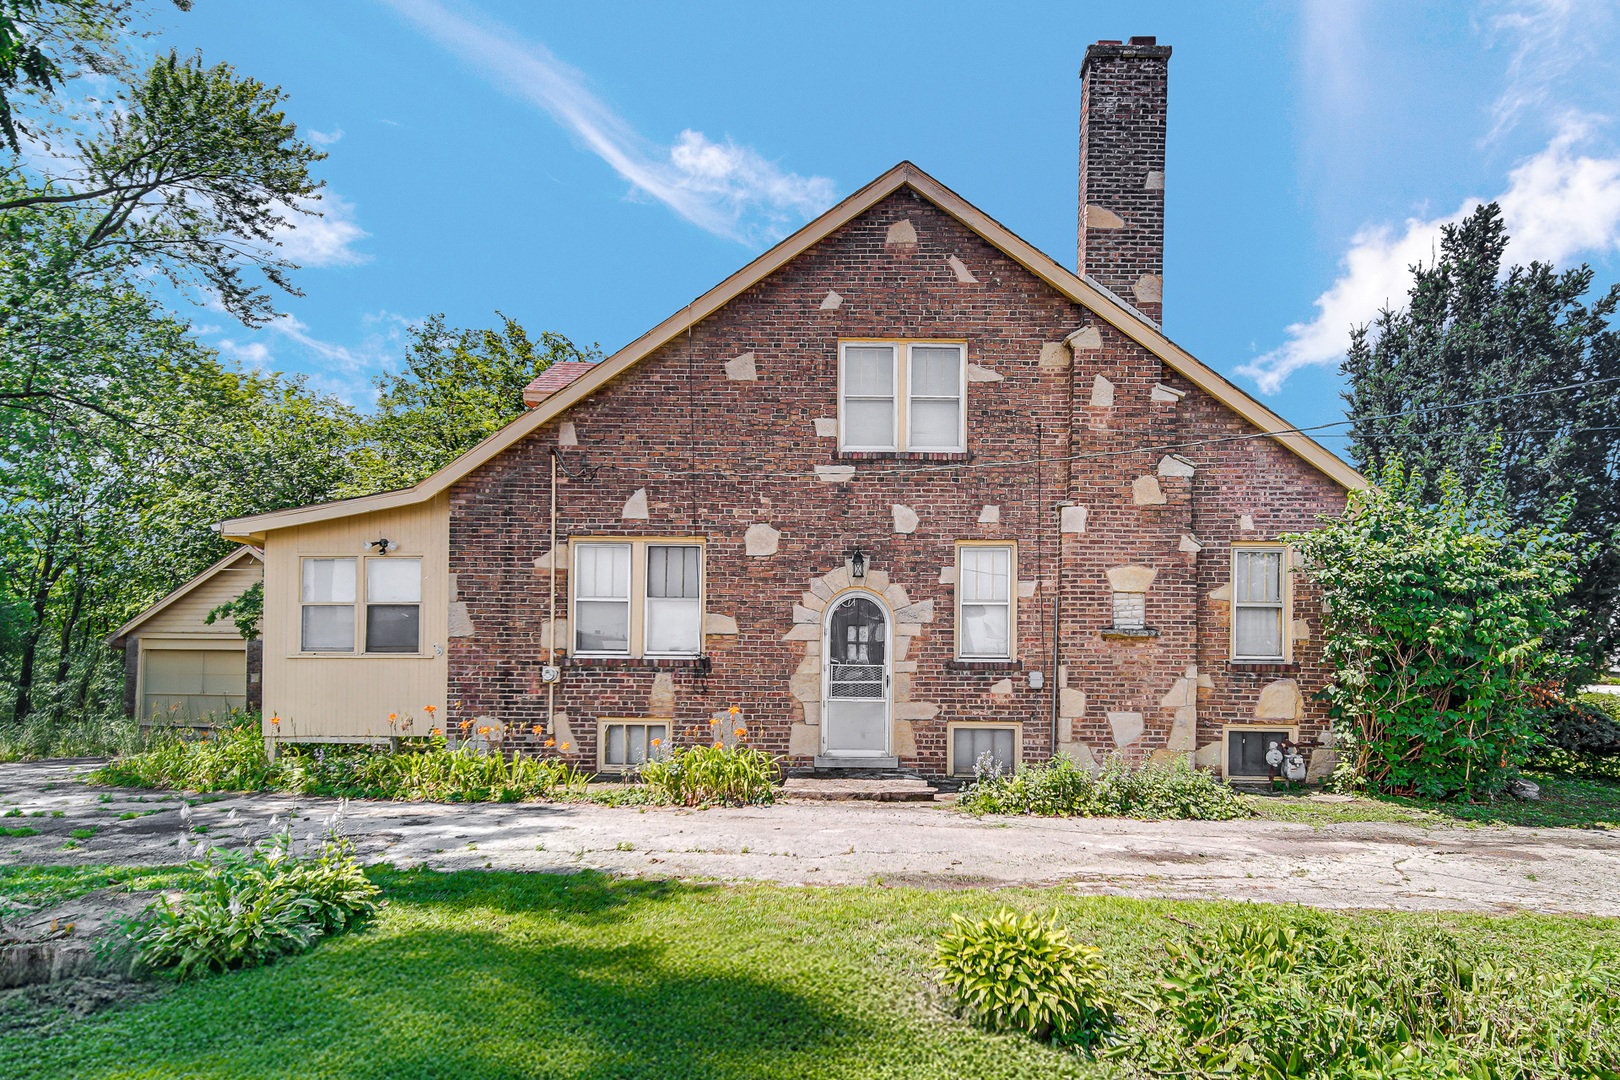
{"x":891,"y":790}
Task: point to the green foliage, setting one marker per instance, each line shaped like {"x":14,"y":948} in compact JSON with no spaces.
{"x":44,"y":43}
{"x":1586,"y":726}
{"x":1058,"y":788}
{"x":234,"y":759}
{"x":252,"y":907}
{"x":1020,"y":973}
{"x":1438,"y":619}
{"x":456,"y":388}
{"x":1471,"y":335}
{"x":246,"y":611}
{"x":725,"y":775}
{"x":1276,"y":999}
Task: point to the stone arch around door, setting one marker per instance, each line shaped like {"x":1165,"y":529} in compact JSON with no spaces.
{"x":908,"y":622}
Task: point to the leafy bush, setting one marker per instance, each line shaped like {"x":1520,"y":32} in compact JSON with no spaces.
{"x":1587,"y":725}
{"x":234,"y":759}
{"x":704,"y":775}
{"x":255,"y":906}
{"x":1018,"y":973}
{"x":1274,"y":1000}
{"x":1437,"y":620}
{"x":1059,"y":788}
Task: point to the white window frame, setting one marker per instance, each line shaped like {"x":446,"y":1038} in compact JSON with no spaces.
{"x":605,"y":722}
{"x":1285,"y":603}
{"x":1012,"y":597}
{"x":953,"y":726}
{"x":901,"y":358}
{"x":637,"y":600}
{"x":361,"y":604}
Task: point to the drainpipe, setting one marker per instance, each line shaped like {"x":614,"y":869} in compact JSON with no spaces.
{"x":1057,"y":599}
{"x":551,"y":605}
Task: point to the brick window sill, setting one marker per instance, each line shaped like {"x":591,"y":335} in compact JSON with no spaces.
{"x":1263,"y":667}
{"x":636,"y":662}
{"x":1117,"y":633}
{"x":901,"y":455}
{"x":984,"y":665}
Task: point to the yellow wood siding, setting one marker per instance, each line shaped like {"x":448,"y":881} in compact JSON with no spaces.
{"x":186,"y":614}
{"x":337,"y":696}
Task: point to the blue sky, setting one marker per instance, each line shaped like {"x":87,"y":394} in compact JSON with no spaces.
{"x":588,"y":168}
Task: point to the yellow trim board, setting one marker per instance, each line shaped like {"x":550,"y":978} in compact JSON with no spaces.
{"x":1088,"y":294}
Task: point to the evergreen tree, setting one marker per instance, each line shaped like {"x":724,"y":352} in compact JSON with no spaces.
{"x":1472,"y":336}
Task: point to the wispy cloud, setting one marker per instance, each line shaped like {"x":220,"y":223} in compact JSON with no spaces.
{"x":344,"y":371}
{"x":728,"y":189}
{"x":323,"y":138}
{"x":323,"y":238}
{"x":1554,"y":43}
{"x":1558,"y":203}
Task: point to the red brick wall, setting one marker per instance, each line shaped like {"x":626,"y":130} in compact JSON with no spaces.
{"x":716,"y":456}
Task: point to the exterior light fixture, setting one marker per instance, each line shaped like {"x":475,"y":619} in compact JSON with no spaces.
{"x":382,"y":545}
{"x":857,"y":565}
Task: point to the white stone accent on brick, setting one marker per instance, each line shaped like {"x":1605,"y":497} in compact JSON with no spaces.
{"x":1098,"y":217}
{"x":1246,"y":523}
{"x":1133,"y":579}
{"x":1026,"y":589}
{"x":1102,"y":393}
{"x":896,"y":596}
{"x":915,"y":710}
{"x":1167,"y":394}
{"x":804,"y":740}
{"x":901,"y":232}
{"x":1055,"y":355}
{"x":802,"y":614}
{"x":635,"y":507}
{"x":761,"y":540}
{"x":959,"y":268}
{"x":661,"y":701}
{"x":1127,"y":727}
{"x":990,"y":515}
{"x":977,"y":373}
{"x":1208,"y":756}
{"x":947,"y":575}
{"x":1149,"y":289}
{"x":915,"y":613}
{"x":1087,"y":337}
{"x":1302,"y":630}
{"x":1190,"y":545}
{"x":1280,"y":700}
{"x":1222,"y":595}
{"x":826,"y":427}
{"x":460,"y":622}
{"x":904,"y":742}
{"x":1154,"y":181}
{"x":543,"y":562}
{"x":832,"y":301}
{"x":1175,"y":465}
{"x":835,"y":474}
{"x":719,"y":624}
{"x":1145,"y":491}
{"x":1002,"y":688}
{"x":742,"y":369}
{"x":567,"y":435}
{"x":1072,"y":519}
{"x":905,"y":519}
{"x":1071,"y":703}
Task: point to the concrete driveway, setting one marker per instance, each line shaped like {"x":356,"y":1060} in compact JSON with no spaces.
{"x":821,"y":843}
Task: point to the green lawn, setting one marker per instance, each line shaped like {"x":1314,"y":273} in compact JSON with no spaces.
{"x":1567,"y":800}
{"x":492,"y":975}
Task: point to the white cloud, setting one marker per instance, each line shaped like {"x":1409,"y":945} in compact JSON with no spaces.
{"x":730,"y":190}
{"x":1559,"y":48}
{"x":1558,"y":204}
{"x":323,"y":138}
{"x":323,"y":240}
{"x":344,"y":371}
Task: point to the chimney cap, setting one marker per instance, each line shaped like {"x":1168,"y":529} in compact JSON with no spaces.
{"x":1138,"y":48}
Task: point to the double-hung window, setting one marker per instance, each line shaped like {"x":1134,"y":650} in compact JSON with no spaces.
{"x":638,"y":598}
{"x":1259,"y":600}
{"x":391,"y":597}
{"x":327,"y":623}
{"x":902,"y":396}
{"x":984,"y":599}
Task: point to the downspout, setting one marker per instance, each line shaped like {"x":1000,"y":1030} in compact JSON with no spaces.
{"x":1057,"y":595}
{"x":551,"y":605}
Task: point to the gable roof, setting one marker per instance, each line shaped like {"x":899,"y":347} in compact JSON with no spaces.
{"x":1100,"y":301}
{"x":552,"y":379}
{"x":235,"y":558}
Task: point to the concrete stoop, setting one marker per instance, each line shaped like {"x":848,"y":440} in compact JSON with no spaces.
{"x":838,"y":789}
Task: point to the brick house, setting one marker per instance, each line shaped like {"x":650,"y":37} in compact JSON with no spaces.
{"x":903,"y":489}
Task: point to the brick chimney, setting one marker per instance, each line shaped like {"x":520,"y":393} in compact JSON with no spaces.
{"x":1123,"y":97}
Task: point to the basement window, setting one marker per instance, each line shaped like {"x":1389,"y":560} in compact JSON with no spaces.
{"x":998,"y":746}
{"x":621,"y":745}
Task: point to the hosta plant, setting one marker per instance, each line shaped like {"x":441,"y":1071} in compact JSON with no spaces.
{"x":1021,"y":973}
{"x":710,"y":775}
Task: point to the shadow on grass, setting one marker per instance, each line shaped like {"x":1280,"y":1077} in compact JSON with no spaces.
{"x":1567,"y":801}
{"x":467,"y":984}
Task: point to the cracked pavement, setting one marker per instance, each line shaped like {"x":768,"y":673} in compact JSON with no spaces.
{"x":1491,"y":869}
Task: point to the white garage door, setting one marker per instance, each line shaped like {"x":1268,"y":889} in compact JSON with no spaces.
{"x":183,"y":685}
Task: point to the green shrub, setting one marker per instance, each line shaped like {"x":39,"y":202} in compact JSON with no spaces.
{"x":234,"y":759}
{"x":1438,"y":621}
{"x":1059,"y":788}
{"x":253,"y":907}
{"x":1275,"y":999}
{"x":707,"y":775}
{"x":1019,"y":973}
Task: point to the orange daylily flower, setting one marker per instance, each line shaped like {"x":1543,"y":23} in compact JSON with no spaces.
{"x":658,"y":742}
{"x":718,"y":745}
{"x":735,"y":709}
{"x":538,"y":728}
{"x":393,"y":716}
{"x":276,"y":720}
{"x":465,"y":724}
{"x":436,"y":731}
{"x":565,"y":746}
{"x":740,"y":732}
{"x":551,"y":742}
{"x":430,"y":709}
{"x":483,"y":731}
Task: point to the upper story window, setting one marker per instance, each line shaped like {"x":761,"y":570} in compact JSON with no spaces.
{"x":985,"y":574}
{"x":1259,"y":603}
{"x":331,"y":597}
{"x":637,"y":598}
{"x":900,"y":395}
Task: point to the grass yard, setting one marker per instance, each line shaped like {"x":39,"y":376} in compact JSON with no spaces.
{"x":491,"y":975}
{"x":1567,"y":800}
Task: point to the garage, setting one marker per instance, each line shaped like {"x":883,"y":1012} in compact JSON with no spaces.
{"x":187,"y":685}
